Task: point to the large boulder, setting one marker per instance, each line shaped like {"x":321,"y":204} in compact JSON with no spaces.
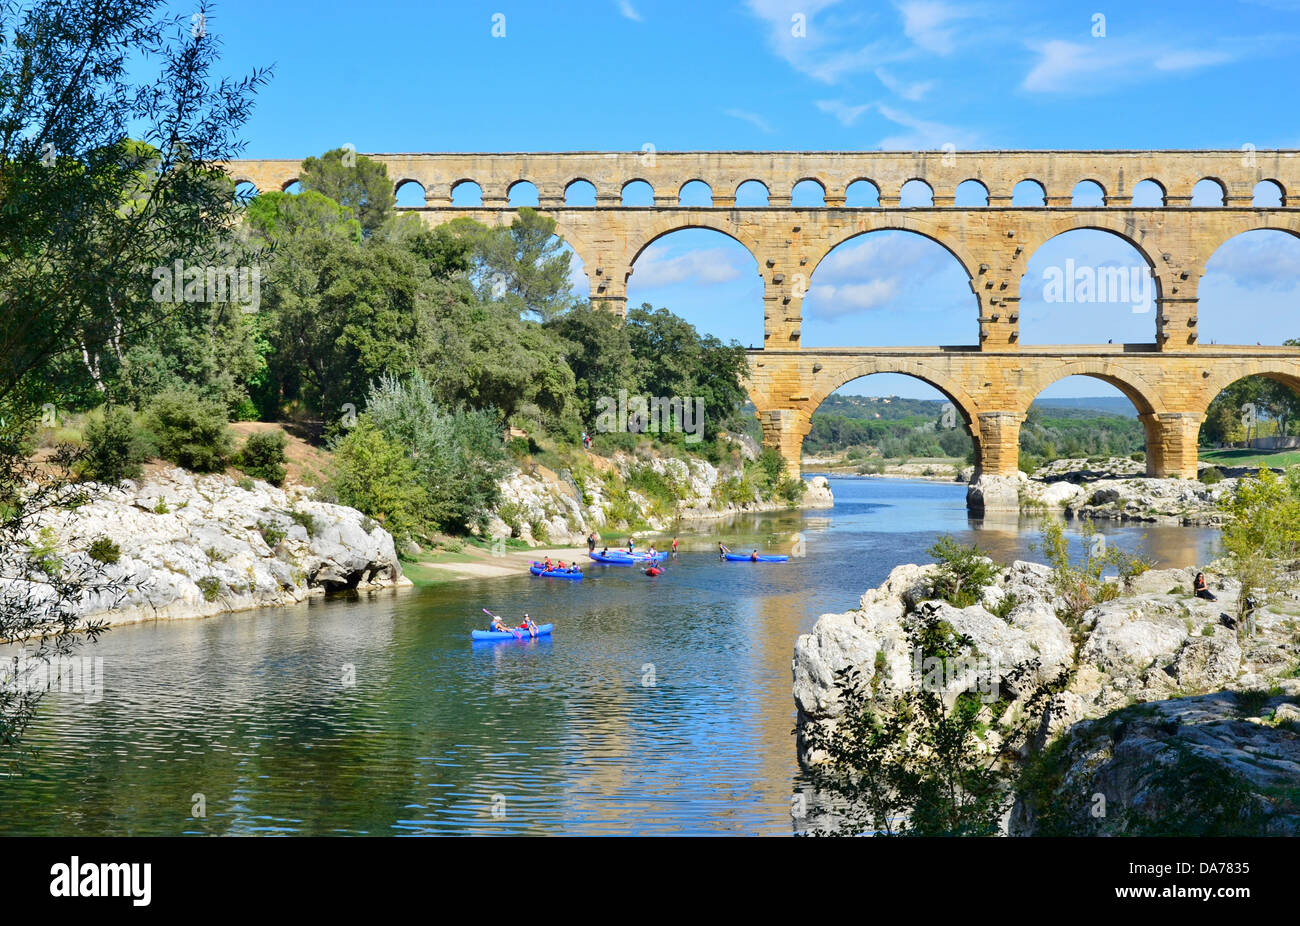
{"x":995,"y":493}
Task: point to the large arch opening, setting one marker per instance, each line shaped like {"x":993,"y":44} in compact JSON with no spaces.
{"x":1253,"y":421}
{"x":1087,"y":418}
{"x":706,"y":277}
{"x":245,"y":191}
{"x":1087,"y":286}
{"x":1250,"y":290}
{"x":889,"y":287}
{"x":890,"y":422}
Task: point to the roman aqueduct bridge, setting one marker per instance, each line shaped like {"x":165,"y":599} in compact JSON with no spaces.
{"x":1171,"y":379}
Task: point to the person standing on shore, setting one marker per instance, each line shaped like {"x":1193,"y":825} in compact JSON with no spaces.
{"x":674,"y":546}
{"x":591,"y":542}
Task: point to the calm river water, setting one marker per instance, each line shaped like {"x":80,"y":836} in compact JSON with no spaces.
{"x":661,"y":706}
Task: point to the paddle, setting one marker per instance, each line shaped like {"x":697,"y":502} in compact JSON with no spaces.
{"x":511,"y":629}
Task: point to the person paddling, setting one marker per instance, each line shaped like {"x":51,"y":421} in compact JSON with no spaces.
{"x":498,"y":624}
{"x":753,"y":557}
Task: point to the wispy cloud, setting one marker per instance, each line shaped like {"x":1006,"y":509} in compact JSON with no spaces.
{"x":703,"y":267}
{"x":933,"y":24}
{"x":844,"y":113}
{"x":912,"y":92}
{"x":629,"y":11}
{"x":815,"y":37}
{"x":922,"y":133}
{"x":1102,"y":64}
{"x":753,"y":119}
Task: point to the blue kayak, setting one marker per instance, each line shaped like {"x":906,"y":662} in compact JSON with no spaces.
{"x":623,"y":559}
{"x":543,"y":630}
{"x":537,"y":570}
{"x":744,"y":558}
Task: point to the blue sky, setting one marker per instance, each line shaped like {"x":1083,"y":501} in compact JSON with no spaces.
{"x":908,"y":74}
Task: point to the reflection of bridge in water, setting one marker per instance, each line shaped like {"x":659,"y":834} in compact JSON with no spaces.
{"x":1171,"y":380}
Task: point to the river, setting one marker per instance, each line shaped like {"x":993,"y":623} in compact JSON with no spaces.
{"x":660,"y":706}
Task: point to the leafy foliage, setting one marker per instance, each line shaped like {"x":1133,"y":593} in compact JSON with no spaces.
{"x":964,"y":572}
{"x":262,"y":456}
{"x":190,"y":431}
{"x":115,"y":447}
{"x":1262,"y":533}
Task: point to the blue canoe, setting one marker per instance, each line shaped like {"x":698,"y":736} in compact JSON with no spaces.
{"x":555,"y":573}
{"x":744,"y":558}
{"x":622,"y":559}
{"x":543,"y":630}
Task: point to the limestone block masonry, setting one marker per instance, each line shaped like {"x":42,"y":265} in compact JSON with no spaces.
{"x":1171,"y":379}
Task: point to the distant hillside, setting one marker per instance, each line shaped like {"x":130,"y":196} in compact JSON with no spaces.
{"x":1105,"y":404}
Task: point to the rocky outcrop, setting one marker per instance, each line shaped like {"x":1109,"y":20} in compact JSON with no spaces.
{"x":541,"y":506}
{"x":995,"y":493}
{"x":1154,"y":643}
{"x":192,"y":546}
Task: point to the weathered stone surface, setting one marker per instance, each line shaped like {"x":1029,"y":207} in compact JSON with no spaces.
{"x":990,"y":382}
{"x":995,"y":493}
{"x":194,"y":545}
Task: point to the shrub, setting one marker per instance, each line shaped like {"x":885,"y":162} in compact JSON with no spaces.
{"x":104,"y":550}
{"x":263,"y":456}
{"x":963,"y":574}
{"x":210,"y":586}
{"x":115,"y":447}
{"x":191,"y":431}
{"x":306,"y":519}
{"x":374,"y":475}
{"x":1210,"y":475}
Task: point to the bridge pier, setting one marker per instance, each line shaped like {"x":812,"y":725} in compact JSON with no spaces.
{"x":783,"y":431}
{"x":1172,"y":443}
{"x":997,"y":449}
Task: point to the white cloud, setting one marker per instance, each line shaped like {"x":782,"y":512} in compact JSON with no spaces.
{"x":1259,"y":260}
{"x":913,"y":91}
{"x":850,"y":298}
{"x":931,"y":24}
{"x":924,"y":134}
{"x":702,"y":267}
{"x":819,"y":46}
{"x":843,"y":113}
{"x":753,"y":119}
{"x":1100,"y":64}
{"x":628,"y":11}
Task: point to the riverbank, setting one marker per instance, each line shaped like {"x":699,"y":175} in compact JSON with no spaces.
{"x":1155,"y":660}
{"x":179,"y":545}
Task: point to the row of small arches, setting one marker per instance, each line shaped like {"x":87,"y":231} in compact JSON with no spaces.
{"x":810,"y":194}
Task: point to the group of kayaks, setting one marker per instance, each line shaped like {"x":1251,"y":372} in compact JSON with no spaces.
{"x":650,"y":559}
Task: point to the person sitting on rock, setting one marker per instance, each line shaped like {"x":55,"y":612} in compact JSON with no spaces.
{"x":1201,"y":589}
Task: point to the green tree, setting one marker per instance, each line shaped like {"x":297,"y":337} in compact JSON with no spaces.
{"x":599,"y":351}
{"x":524,"y":265}
{"x":1262,"y":533}
{"x":354,"y":181}
{"x":87,"y":214}
{"x":375,"y":476}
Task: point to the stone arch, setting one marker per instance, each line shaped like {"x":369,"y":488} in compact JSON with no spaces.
{"x":403,"y":188}
{"x":668,"y":225}
{"x":1083,"y":190}
{"x":1116,"y":225}
{"x":935,"y":232}
{"x":751,"y":186}
{"x":244,"y":190}
{"x":1266,"y":190}
{"x":1147,"y":187}
{"x":284,"y":187}
{"x":1146,"y":397}
{"x":972,"y":188}
{"x":574,"y":188}
{"x":804,"y":186}
{"x":913,"y":187}
{"x":1221,"y":377}
{"x":828,"y":381}
{"x":472,"y":188}
{"x":849,"y":191}
{"x":1210,"y":188}
{"x":1031,"y":189}
{"x":631,"y":183}
{"x":525,"y":190}
{"x":688,"y":188}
